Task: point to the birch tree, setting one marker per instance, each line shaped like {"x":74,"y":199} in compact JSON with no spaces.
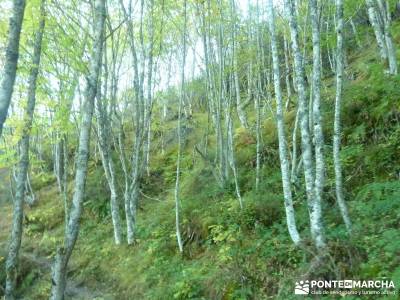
{"x":306,"y":147}
{"x":71,"y":234}
{"x":18,"y":213}
{"x":373,"y":19}
{"x":129,"y":218}
{"x":11,"y":60}
{"x":337,"y":132}
{"x":104,"y":133}
{"x":316,"y":213}
{"x":287,"y":70}
{"x":386,"y":20}
{"x":290,"y":217}
{"x":220,"y":101}
{"x":239,"y":105}
{"x":134,"y":176}
{"x":178,"y":162}
{"x":149,"y":94}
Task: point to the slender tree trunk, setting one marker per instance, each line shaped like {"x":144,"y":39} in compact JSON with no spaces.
{"x":231,"y":156}
{"x":140,"y":117}
{"x":293,"y":173}
{"x":354,"y":29}
{"x":107,"y":128}
{"x":331,"y":62}
{"x":59,"y":162}
{"x":116,"y":219}
{"x":130,"y":222}
{"x":391,"y":50}
{"x":269,"y":88}
{"x":221,"y":141}
{"x":337,"y":120}
{"x":258,"y":138}
{"x":290,"y":216}
{"x":65,"y":180}
{"x":12,"y":53}
{"x":17,"y":227}
{"x":149,"y":98}
{"x":30,"y":197}
{"x":165,"y":104}
{"x":239,"y":105}
{"x":310,"y":104}
{"x":104,"y":133}
{"x":306,"y":147}
{"x":250,"y":84}
{"x":287,"y":71}
{"x":316,"y":211}
{"x":135,"y":176}
{"x":328,"y":48}
{"x":178,"y":162}
{"x":71,"y":234}
{"x":373,"y":18}
{"x":259,"y":92}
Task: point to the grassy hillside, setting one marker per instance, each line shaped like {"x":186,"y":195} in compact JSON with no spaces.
{"x":232,"y":253}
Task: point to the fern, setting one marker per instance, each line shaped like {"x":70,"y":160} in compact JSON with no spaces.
{"x":379,"y":191}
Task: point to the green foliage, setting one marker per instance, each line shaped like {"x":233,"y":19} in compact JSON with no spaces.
{"x":230,"y":253}
{"x":42,"y":180}
{"x":97,"y":194}
{"x":49,"y":216}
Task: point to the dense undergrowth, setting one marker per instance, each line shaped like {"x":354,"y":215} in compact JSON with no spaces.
{"x":232,"y":253}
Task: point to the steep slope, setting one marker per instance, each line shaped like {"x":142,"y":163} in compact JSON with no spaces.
{"x":232,"y":253}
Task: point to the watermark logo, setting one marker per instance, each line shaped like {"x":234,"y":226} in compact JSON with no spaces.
{"x":345,"y":287}
{"x":302,"y":287}
{"x":348,"y":284}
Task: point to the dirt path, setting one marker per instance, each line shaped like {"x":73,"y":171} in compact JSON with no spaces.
{"x":74,"y":290}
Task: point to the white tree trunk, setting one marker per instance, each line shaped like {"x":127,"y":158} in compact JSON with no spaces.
{"x":104,"y":133}
{"x":337,"y":119}
{"x":293,"y":173}
{"x":239,"y":105}
{"x":140,"y":123}
{"x":287,"y":71}
{"x":391,"y":50}
{"x":178,"y":162}
{"x":130,"y":222}
{"x":290,"y":216}
{"x":149,"y":98}
{"x":380,"y":40}
{"x":17,"y":227}
{"x":258,"y":139}
{"x":231,"y":159}
{"x":317,"y":228}
{"x":221,"y":141}
{"x":12,"y":52}
{"x":307,"y":157}
{"x":71,"y":234}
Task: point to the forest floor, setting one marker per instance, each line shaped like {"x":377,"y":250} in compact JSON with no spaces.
{"x":33,"y":263}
